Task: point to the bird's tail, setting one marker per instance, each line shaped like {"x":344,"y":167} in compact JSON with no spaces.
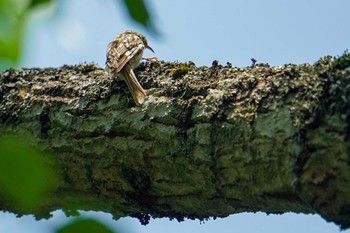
{"x":137,"y":92}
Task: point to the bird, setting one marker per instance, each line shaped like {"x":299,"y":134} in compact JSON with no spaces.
{"x":124,"y":54}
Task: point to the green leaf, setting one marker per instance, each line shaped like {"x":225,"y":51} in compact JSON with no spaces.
{"x":10,"y":44}
{"x":86,"y":226}
{"x":12,"y":19}
{"x":35,"y":3}
{"x":25,"y":175}
{"x":138,"y":12}
{"x":13,"y":16}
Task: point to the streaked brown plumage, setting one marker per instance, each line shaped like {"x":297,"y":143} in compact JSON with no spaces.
{"x":124,"y":54}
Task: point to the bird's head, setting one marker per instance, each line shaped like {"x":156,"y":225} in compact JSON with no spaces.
{"x":142,"y":37}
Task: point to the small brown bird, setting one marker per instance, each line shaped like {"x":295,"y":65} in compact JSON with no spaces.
{"x":124,"y":54}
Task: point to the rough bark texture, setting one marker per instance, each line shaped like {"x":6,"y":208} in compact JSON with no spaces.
{"x":208,"y":142}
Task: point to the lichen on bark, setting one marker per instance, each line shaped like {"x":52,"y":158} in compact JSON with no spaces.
{"x":207,"y":142}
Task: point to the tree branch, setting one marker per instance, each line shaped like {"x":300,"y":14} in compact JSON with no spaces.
{"x":208,"y":142}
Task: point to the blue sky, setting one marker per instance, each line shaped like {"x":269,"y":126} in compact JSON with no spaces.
{"x":271,"y":31}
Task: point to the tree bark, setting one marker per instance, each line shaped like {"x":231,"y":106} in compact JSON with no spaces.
{"x":207,"y":142}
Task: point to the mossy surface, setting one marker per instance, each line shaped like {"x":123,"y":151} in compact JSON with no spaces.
{"x":207,"y":142}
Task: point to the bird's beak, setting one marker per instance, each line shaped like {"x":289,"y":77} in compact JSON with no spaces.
{"x":148,"y":47}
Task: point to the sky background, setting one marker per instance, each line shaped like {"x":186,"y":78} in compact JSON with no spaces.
{"x":271,"y":31}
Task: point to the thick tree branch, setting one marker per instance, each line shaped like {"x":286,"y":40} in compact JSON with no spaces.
{"x":208,"y":142}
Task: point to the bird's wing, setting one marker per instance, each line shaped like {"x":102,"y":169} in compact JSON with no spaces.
{"x":120,"y":51}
